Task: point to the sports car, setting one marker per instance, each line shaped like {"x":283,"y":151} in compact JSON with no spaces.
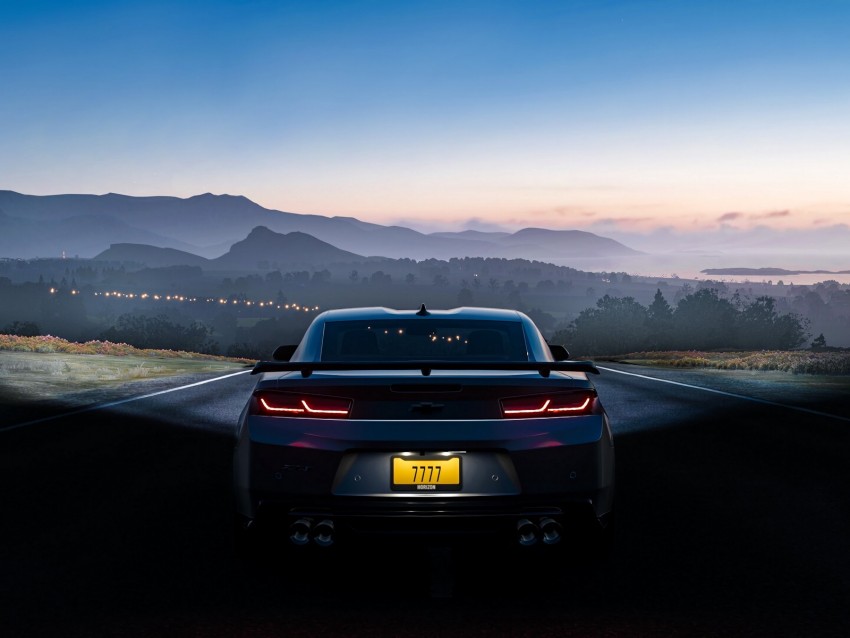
{"x":436,"y":424}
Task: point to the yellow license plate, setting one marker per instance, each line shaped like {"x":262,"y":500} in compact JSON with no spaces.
{"x":426,"y":474}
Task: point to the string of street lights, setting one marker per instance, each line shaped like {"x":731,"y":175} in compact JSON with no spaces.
{"x":114,"y":294}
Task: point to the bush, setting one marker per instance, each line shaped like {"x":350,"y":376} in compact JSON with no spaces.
{"x":159,"y":332}
{"x":22,"y":329}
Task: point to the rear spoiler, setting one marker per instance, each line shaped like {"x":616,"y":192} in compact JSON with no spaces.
{"x":308,"y":367}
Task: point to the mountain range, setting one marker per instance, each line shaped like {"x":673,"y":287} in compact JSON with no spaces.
{"x":286,"y":251}
{"x":212,"y":226}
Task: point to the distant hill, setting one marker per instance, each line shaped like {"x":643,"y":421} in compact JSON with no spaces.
{"x":564,"y":243}
{"x":151,"y":256}
{"x":478,"y":235}
{"x":83,"y":235}
{"x":264,"y":249}
{"x":541,"y":243}
{"x":204,"y":225}
{"x":261,"y":250}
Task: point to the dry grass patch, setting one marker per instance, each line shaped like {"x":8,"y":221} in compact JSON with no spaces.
{"x":794,"y":361}
{"x":47,"y":343}
{"x":43,"y":367}
{"x":54,"y":374}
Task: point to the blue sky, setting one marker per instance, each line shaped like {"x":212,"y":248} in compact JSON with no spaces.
{"x":629,"y":115}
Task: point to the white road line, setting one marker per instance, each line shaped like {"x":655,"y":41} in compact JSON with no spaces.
{"x":112,"y":404}
{"x":728,"y":394}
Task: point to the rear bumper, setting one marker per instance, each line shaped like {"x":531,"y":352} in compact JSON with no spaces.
{"x":502,"y":520}
{"x":558,"y":469}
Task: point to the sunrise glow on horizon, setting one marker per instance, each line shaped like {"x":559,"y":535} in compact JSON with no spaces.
{"x":440,"y":115}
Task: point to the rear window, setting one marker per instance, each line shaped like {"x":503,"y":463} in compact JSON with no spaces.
{"x":417,"y":339}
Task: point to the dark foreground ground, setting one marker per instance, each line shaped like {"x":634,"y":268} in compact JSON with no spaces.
{"x":733,"y":520}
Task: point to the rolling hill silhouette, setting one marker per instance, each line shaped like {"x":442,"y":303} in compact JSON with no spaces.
{"x":151,"y":256}
{"x":289,"y":250}
{"x":561,"y":243}
{"x":262,"y":249}
{"x":205,"y":225}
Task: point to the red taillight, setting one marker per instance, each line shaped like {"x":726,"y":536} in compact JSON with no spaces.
{"x":571,"y":404}
{"x":302,"y":405}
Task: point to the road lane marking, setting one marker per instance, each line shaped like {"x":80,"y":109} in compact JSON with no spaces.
{"x":112,"y":404}
{"x":728,"y":394}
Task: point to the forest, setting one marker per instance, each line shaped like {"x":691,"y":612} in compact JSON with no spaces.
{"x":248,"y":314}
{"x":702,"y":320}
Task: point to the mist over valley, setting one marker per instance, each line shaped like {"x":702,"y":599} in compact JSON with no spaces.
{"x":227,"y":275}
{"x":210,"y":225}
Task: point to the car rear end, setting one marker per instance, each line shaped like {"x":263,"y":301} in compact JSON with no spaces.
{"x":328,"y":456}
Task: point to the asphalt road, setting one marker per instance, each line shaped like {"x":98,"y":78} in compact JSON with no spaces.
{"x":733,"y":520}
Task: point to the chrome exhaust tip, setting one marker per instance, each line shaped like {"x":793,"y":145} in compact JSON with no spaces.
{"x":323,"y":533}
{"x":551,"y":531}
{"x":526,"y":532}
{"x":299,"y":531}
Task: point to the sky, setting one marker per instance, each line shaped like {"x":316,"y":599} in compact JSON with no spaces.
{"x":640,"y":116}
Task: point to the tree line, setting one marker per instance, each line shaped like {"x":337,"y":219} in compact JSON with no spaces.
{"x":703,"y":320}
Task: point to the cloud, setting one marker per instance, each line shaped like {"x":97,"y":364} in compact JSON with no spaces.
{"x":728,"y":217}
{"x":823,"y":221}
{"x":623,"y":221}
{"x":484,"y":225}
{"x":563,"y":211}
{"x":830,"y":224}
{"x":552,"y":217}
{"x":773,"y":215}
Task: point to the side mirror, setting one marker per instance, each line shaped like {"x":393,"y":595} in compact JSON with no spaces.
{"x":283,"y":353}
{"x":559,"y":353}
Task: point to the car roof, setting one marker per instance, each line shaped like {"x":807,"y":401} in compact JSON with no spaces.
{"x":380,"y":312}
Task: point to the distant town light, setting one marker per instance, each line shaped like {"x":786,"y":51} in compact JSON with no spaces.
{"x":175,"y":297}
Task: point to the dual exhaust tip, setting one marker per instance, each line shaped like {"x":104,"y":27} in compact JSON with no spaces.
{"x":546,"y":529}
{"x":303,"y":531}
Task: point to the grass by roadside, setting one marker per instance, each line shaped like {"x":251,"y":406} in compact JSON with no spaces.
{"x":49,"y":367}
{"x":794,"y":361}
{"x":47,"y":343}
